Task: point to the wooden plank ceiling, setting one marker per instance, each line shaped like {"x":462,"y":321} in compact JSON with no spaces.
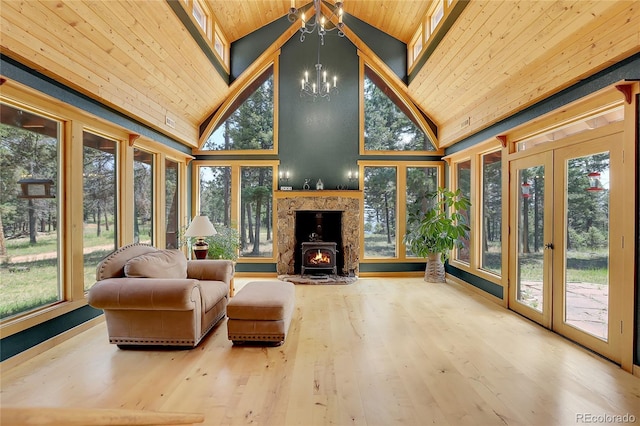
{"x":499,"y":58}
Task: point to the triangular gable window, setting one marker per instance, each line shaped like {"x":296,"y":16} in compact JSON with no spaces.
{"x":247,"y":123}
{"x":390,"y":125}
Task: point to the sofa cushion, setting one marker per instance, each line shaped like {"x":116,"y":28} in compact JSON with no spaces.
{"x":112,"y":266}
{"x":157,"y":264}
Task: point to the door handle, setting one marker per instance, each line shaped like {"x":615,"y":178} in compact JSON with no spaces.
{"x":548,"y":246}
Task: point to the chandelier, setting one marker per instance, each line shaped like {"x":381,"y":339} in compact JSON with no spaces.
{"x":320,"y":86}
{"x":317,"y":21}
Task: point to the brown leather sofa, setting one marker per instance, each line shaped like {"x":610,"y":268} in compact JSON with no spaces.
{"x":158,"y":297}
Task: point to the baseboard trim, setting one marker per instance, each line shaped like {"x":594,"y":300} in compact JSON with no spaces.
{"x":48,"y":344}
{"x":477,"y":290}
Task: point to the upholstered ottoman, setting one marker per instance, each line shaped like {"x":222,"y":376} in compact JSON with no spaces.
{"x":261,"y":312}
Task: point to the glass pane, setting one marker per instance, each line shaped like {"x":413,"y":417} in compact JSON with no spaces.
{"x":99,"y":202}
{"x":388,"y":124}
{"x":422,"y":184}
{"x":215,"y":195}
{"x":587,"y":244}
{"x":380,"y":212}
{"x":437,"y":16}
{"x":142,"y":196}
{"x":172,"y":202}
{"x":29,"y":234}
{"x":530,"y":271}
{"x":256,"y":206}
{"x":491,"y":253}
{"x":463,"y":171}
{"x":249,"y":124}
{"x":200,"y":15}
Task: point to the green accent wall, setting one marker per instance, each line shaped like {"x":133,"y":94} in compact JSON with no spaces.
{"x":263,"y":268}
{"x":247,"y":49}
{"x":474,"y":280}
{"x":318,"y":139}
{"x":19,"y":342}
{"x":393,"y":267}
{"x":392,"y":51}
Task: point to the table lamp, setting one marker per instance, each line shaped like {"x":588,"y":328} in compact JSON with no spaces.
{"x":200,"y":227}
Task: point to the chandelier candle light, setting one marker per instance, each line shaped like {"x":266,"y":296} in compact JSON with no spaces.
{"x":318,"y":87}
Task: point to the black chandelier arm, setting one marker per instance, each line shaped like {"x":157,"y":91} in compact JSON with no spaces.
{"x":314,"y":23}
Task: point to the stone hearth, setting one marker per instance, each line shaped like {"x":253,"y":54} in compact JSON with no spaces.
{"x":288,"y":203}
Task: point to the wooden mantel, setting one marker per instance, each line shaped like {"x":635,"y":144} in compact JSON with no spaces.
{"x":324,"y":193}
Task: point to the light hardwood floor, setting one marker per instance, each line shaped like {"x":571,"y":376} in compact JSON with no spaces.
{"x":378,"y":352}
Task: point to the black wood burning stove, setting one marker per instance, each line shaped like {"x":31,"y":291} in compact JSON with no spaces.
{"x":318,"y":256}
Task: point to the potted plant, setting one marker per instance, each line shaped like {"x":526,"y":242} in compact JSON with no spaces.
{"x":224,"y":244}
{"x":433,"y":233}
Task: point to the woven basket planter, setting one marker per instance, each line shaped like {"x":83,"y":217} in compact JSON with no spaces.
{"x":434,"y":272}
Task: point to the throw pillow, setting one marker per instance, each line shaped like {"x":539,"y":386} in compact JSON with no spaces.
{"x":157,"y":264}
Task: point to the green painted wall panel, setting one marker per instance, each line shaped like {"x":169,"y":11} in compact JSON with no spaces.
{"x":19,"y":342}
{"x":318,"y":140}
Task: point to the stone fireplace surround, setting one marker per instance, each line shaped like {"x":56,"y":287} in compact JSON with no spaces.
{"x":289,"y":202}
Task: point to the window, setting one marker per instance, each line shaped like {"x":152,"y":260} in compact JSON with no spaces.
{"x":172,"y":202}
{"x":391,"y":125}
{"x":431,"y":22}
{"x":572,"y":127}
{"x":210,"y":31}
{"x":71,"y":212}
{"x":220,"y":45}
{"x":393,"y":189}
{"x":463,"y":180}
{"x":380,"y":194}
{"x":256,"y":211}
{"x":415,"y":47}
{"x":491,"y":213}
{"x":422,"y":182}
{"x":142,"y":196}
{"x":246,"y":124}
{"x":30,"y":146}
{"x":437,"y":15}
{"x":239,"y":195}
{"x":215,"y":194}
{"x":477,"y":173}
{"x":200,"y":16}
{"x":99,"y":172}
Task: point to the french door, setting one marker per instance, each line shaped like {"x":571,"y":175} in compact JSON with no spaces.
{"x":565,"y":262}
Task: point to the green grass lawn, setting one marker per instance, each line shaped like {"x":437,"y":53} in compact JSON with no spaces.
{"x":29,"y":284}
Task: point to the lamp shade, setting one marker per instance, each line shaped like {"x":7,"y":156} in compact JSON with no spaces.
{"x":200,"y":226}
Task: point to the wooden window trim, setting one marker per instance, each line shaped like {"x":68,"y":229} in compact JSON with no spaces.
{"x":75,"y":122}
{"x":271,"y":61}
{"x":401,"y":205}
{"x":235,"y":166}
{"x":474,"y":155}
{"x":395,"y":85}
